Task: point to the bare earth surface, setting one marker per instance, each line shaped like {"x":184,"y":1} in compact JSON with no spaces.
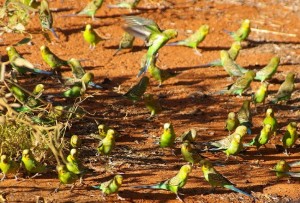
{"x":188,"y":100}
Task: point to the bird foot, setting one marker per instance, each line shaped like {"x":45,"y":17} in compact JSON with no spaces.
{"x":120,"y":198}
{"x":179,"y":198}
{"x":56,"y":190}
{"x":2,"y":179}
{"x":36,"y":175}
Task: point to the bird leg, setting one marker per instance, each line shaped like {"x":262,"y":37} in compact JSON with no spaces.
{"x":72,"y":187}
{"x":3,"y":177}
{"x":197,"y":52}
{"x":120,"y":198}
{"x":179,"y":198}
{"x":16,"y":178}
{"x":35,"y":175}
{"x":56,"y":189}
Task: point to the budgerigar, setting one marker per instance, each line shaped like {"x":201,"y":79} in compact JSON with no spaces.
{"x":91,"y":37}
{"x":18,"y":93}
{"x":74,"y":165}
{"x":126,"y":42}
{"x":45,"y":17}
{"x":215,"y":179}
{"x":111,"y":186}
{"x":172,"y":184}
{"x":149,"y":31}
{"x":281,"y":169}
{"x":232,"y":122}
{"x":51,"y":59}
{"x":244,"y":115}
{"x":268,"y":71}
{"x":102,"y":128}
{"x":128,"y":4}
{"x":290,"y":136}
{"x":235,"y":146}
{"x":20,"y":64}
{"x":78,"y":72}
{"x":190,"y":154}
{"x":271,"y":120}
{"x":8,"y":166}
{"x":65,"y":176}
{"x":136,"y":92}
{"x":31,"y":165}
{"x":75,"y":141}
{"x":108,"y":143}
{"x":194,"y":40}
{"x":189,"y":135}
{"x":91,"y":8}
{"x":242,"y":33}
{"x":263,"y":137}
{"x":152,"y":104}
{"x":261,"y":94}
{"x":241,"y":84}
{"x":230,"y":66}
{"x":74,"y":91}
{"x":225,"y":142}
{"x":168,"y":137}
{"x":286,"y":89}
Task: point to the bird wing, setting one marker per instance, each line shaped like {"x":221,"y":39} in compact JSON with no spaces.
{"x":22,"y":62}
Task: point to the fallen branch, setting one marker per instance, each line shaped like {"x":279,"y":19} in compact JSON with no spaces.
{"x":273,"y":32}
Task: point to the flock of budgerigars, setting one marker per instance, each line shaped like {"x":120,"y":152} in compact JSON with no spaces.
{"x":238,"y":124}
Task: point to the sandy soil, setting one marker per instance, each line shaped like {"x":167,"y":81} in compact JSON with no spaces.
{"x":188,"y":99}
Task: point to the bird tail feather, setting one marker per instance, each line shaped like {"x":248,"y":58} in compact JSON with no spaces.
{"x":231,"y":187}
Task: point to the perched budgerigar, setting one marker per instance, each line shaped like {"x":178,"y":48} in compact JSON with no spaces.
{"x":136,"y":92}
{"x":241,"y":84}
{"x":261,"y":94}
{"x":286,"y":89}
{"x":271,"y":120}
{"x":20,"y":64}
{"x":51,"y":59}
{"x":281,"y":169}
{"x":75,"y":141}
{"x":110,"y":186}
{"x":45,"y":17}
{"x":91,"y":36}
{"x":268,"y":71}
{"x":152,"y":104}
{"x":236,"y":145}
{"x":128,"y":4}
{"x":108,"y":143}
{"x":224,"y":143}
{"x":232,"y":122}
{"x":8,"y":166}
{"x":290,"y":136}
{"x":242,"y":33}
{"x":215,"y":179}
{"x":172,"y":184}
{"x":31,"y":165}
{"x":168,"y":137}
{"x":149,"y":31}
{"x":244,"y":115}
{"x":126,"y":42}
{"x":263,"y":137}
{"x":189,"y":135}
{"x":194,"y":40}
{"x":91,"y":8}
{"x":65,"y":176}
{"x":190,"y":154}
{"x":230,"y":66}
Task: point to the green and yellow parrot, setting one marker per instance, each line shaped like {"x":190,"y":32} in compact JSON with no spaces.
{"x":290,"y":136}
{"x":65,"y":176}
{"x":230,"y":66}
{"x":136,"y":92}
{"x":232,"y":122}
{"x":261,"y":94}
{"x":244,"y":115}
{"x":286,"y":89}
{"x":8,"y":166}
{"x":74,"y":165}
{"x":31,"y":3}
{"x":235,"y":146}
{"x":126,"y":42}
{"x":194,"y":40}
{"x":149,"y":31}
{"x":215,"y":179}
{"x":263,"y":137}
{"x":168,"y":137}
{"x":190,"y":154}
{"x":75,"y":141}
{"x":152,"y":104}
{"x":111,"y":186}
{"x":271,"y":120}
{"x":31,"y":164}
{"x":108,"y":143}
{"x":172,"y":184}
{"x":51,"y":59}
{"x":91,"y":8}
{"x":282,"y":168}
{"x":189,"y":135}
{"x":45,"y":17}
{"x":102,"y":128}
{"x":242,"y":33}
{"x":91,"y":36}
{"x":268,"y":71}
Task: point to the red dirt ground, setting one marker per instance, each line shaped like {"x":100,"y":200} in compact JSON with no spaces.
{"x":188,"y":99}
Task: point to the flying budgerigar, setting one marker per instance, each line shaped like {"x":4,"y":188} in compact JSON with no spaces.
{"x":152,"y":104}
{"x":230,"y":66}
{"x":190,"y":154}
{"x":244,"y":115}
{"x":126,"y":42}
{"x":111,"y":186}
{"x":91,"y":8}
{"x":108,"y":143}
{"x":241,"y":84}
{"x":149,"y":31}
{"x":290,"y":136}
{"x":215,"y":179}
{"x":286,"y":89}
{"x":31,"y":164}
{"x":172,"y":184}
{"x":269,"y":70}
{"x":136,"y":92}
{"x":8,"y":166}
{"x":242,"y":33}
{"x":20,"y":64}
{"x":91,"y":36}
{"x":45,"y":17}
{"x":189,"y":135}
{"x":168,"y":137}
{"x":194,"y":40}
{"x":232,"y":122}
{"x":127,"y":4}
